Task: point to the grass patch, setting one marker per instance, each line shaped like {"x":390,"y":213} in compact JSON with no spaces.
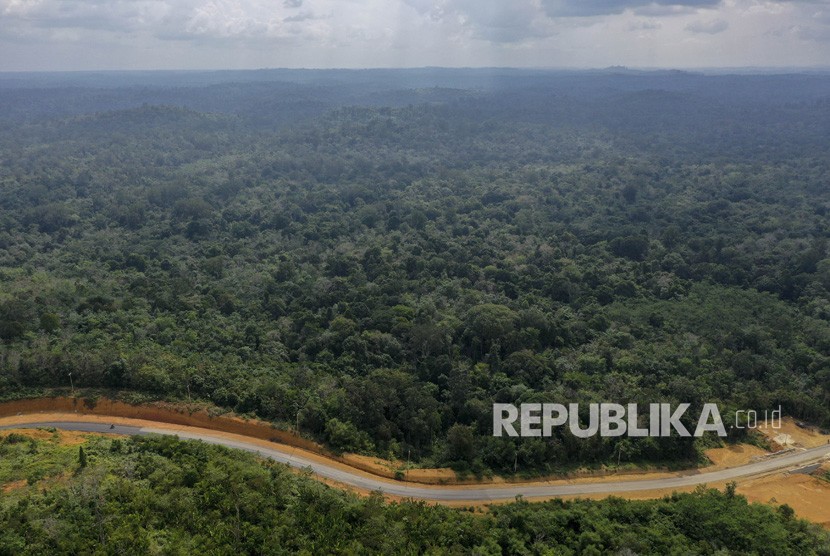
{"x":24,"y":457}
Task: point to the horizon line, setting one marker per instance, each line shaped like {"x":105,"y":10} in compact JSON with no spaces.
{"x":618,"y":67}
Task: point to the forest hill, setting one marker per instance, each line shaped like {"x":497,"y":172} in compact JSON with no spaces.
{"x":607,"y":419}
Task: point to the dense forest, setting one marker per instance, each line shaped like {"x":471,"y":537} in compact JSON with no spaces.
{"x":156,"y":495}
{"x":375,"y":258}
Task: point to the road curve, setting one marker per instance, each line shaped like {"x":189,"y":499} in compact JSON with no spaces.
{"x":451,"y":494}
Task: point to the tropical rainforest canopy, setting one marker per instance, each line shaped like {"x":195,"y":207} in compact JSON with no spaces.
{"x":376,"y":257}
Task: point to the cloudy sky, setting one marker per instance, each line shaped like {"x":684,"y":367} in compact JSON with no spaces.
{"x":199,"y":34}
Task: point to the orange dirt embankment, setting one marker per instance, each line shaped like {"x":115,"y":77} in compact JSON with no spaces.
{"x":183,"y":415}
{"x":199,"y":417}
{"x":180,"y":415}
{"x":163,"y":413}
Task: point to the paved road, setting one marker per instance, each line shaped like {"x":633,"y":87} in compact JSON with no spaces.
{"x":447,"y":494}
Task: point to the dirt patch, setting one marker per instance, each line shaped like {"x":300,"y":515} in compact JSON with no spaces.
{"x":436,"y":476}
{"x":373,"y":464}
{"x":64,"y":438}
{"x":14,"y":485}
{"x":397,"y":469}
{"x":733,"y":455}
{"x":807,"y":495}
{"x":790,"y":434}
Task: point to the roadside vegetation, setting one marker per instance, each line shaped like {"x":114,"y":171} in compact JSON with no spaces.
{"x":158,"y":495}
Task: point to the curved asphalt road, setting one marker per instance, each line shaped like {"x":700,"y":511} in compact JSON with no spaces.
{"x":445,"y":494}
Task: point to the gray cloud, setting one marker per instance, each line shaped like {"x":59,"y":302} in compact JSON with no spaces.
{"x":305,"y":16}
{"x":816,"y":34}
{"x":658,"y":10}
{"x":499,"y":21}
{"x":422,"y":6}
{"x":812,"y":26}
{"x":251,"y":21}
{"x":89,"y":34}
{"x":708,"y":27}
{"x":583,"y":8}
{"x":512,"y":21}
{"x":644,"y":25}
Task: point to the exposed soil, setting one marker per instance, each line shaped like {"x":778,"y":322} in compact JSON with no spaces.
{"x":732,"y":456}
{"x":14,"y":485}
{"x":791,"y":435}
{"x":64,"y":438}
{"x":809,"y":496}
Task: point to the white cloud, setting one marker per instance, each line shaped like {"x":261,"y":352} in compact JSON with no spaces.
{"x":115,"y":15}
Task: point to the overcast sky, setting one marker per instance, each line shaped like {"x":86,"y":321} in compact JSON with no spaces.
{"x":198,"y":34}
